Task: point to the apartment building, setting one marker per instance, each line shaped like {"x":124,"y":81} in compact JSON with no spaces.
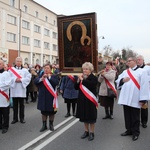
{"x":29,"y":30}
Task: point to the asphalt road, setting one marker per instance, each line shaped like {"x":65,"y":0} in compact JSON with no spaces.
{"x":68,"y":131}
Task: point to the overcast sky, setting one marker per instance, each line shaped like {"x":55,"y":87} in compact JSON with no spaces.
{"x":123,"y":23}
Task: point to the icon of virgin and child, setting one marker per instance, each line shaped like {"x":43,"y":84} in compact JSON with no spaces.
{"x":77,"y":49}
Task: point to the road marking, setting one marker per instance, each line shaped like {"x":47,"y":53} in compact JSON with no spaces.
{"x":44,"y":135}
{"x":56,"y":135}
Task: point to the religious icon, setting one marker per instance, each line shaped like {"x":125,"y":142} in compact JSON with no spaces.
{"x":77,"y":41}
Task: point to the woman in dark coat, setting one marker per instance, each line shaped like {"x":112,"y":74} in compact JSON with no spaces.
{"x":46,"y":83}
{"x":33,"y":90}
{"x":87,"y":102}
{"x":69,"y":93}
{"x":38,"y":69}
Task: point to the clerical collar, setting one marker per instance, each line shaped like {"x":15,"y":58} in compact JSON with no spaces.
{"x":134,"y":68}
{"x":19,"y":68}
{"x":142,"y":66}
{"x":2,"y":70}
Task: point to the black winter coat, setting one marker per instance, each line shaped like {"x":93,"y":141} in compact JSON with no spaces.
{"x":86,"y":110}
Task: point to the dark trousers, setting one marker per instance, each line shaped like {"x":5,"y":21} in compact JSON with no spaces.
{"x":4,"y":117}
{"x":33,"y":96}
{"x":144,"y":115}
{"x":69,"y":107}
{"x":132,"y":119}
{"x":27,"y":95}
{"x":18,"y":103}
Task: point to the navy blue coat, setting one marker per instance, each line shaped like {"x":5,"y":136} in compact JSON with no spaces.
{"x":67,"y":86}
{"x":45,"y":98}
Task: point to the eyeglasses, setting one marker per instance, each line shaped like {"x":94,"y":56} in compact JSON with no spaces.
{"x":129,"y":60}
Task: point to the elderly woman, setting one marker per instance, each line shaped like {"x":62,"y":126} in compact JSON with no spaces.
{"x":47,"y":97}
{"x":69,"y":93}
{"x":107,"y":75}
{"x":87,"y":102}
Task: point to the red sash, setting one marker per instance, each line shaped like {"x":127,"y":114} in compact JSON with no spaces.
{"x":133,"y":79}
{"x":5,"y":95}
{"x":111,"y":86}
{"x":54,"y":93}
{"x":15,"y":73}
{"x":89,"y":94}
{"x":72,"y":78}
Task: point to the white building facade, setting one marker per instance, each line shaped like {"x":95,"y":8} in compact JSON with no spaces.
{"x":29,"y":30}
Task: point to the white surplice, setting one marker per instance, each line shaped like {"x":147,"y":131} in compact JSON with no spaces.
{"x":19,"y":89}
{"x":5,"y":82}
{"x":130,"y":95}
{"x":147,"y":69}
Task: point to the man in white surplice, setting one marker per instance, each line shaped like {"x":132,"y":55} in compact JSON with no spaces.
{"x":144,"y":109}
{"x":5,"y":82}
{"x":21,"y":78}
{"x":134,"y":93}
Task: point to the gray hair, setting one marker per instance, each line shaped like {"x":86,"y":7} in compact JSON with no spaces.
{"x":140,"y":56}
{"x":88,"y":65}
{"x":18,"y":58}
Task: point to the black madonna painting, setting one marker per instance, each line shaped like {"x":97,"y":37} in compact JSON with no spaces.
{"x":77,"y":39}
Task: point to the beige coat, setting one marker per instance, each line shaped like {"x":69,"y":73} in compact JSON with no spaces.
{"x":110,"y":76}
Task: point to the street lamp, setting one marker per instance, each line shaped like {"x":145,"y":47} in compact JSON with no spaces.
{"x":100,"y":37}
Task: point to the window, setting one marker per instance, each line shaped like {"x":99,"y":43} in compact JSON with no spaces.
{"x":11,"y":37}
{"x":46,"y":32}
{"x":25,"y":40}
{"x":54,"y":23}
{"x":12,"y":19}
{"x":54,"y":35}
{"x":46,"y":18}
{"x":26,"y":60}
{"x":46,"y":45}
{"x":37,"y":28}
{"x":36,"y":14}
{"x":12,"y":3}
{"x":37,"y":43}
{"x":25,"y":8}
{"x":55,"y":47}
{"x":37,"y":61}
{"x":25,"y":24}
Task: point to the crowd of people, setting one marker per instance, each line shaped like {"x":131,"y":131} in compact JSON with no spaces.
{"x":17,"y":83}
{"x":128,"y":82}
{"x":132,"y":83}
